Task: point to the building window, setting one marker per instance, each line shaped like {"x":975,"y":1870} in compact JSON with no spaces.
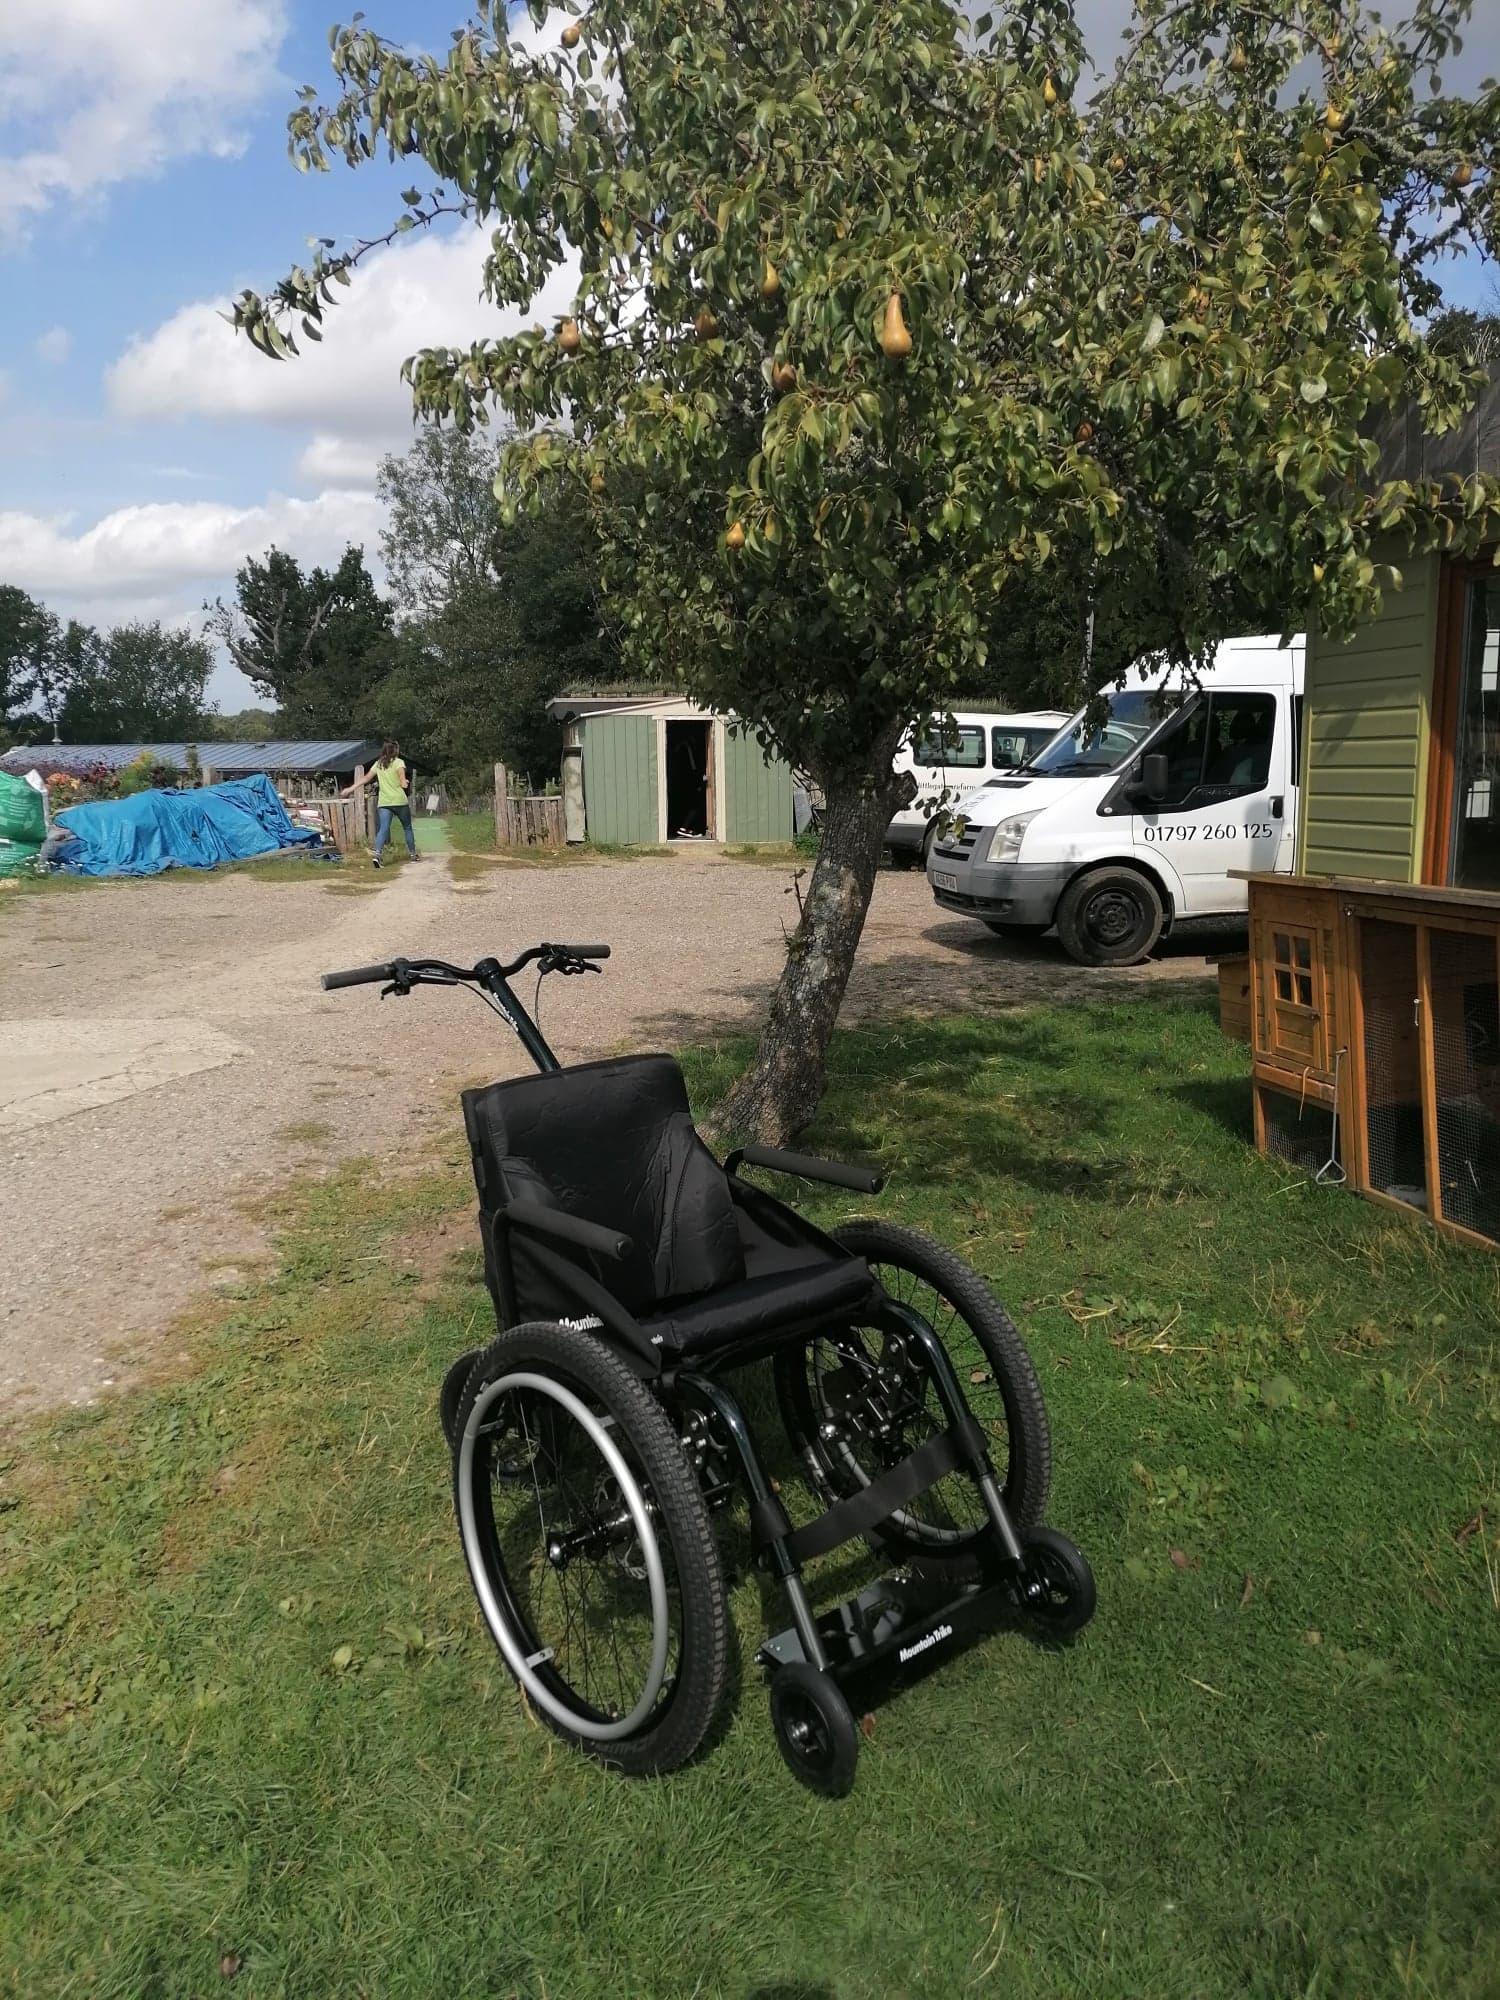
{"x":1474,"y":834}
{"x":1292,"y":965}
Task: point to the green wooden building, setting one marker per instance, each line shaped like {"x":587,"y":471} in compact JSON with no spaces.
{"x":655,"y":768}
{"x":1401,"y":739}
{"x":1371,"y":993}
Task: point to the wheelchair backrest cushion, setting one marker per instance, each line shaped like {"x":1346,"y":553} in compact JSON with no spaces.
{"x":614,"y":1143}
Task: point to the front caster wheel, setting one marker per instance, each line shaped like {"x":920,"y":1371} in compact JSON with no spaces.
{"x":1055,"y":1591}
{"x":815,"y":1729}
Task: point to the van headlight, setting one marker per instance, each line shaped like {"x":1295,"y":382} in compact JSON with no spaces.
{"x":1004,"y":840}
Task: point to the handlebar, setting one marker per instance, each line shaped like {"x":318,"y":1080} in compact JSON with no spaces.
{"x":404,"y":972}
{"x":358,"y":975}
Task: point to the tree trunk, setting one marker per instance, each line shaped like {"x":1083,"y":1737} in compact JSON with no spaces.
{"x":778,"y":1095}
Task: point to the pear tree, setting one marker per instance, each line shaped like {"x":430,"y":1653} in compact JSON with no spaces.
{"x":881,"y":315}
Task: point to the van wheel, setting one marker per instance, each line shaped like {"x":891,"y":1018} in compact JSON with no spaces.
{"x":1110,"y":916}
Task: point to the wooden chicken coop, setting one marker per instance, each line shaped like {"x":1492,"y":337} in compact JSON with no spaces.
{"x":1374,"y":1024}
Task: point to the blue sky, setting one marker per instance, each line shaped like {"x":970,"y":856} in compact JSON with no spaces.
{"x":143,"y":180}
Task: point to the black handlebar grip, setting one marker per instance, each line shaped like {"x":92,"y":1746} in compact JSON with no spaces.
{"x":358,"y":975}
{"x":586,"y":950}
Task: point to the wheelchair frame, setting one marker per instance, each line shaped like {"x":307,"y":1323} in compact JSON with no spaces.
{"x":895,"y":1629}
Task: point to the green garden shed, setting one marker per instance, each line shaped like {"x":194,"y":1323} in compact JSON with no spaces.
{"x":658,"y":768}
{"x":1371,"y":994}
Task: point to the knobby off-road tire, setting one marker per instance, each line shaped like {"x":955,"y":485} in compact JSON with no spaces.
{"x":514,"y":1440}
{"x":946,"y":1529}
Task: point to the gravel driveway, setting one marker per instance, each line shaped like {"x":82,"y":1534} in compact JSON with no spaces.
{"x":167,"y":1055}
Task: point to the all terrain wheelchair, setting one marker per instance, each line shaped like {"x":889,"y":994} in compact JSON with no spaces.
{"x":595,"y":1439}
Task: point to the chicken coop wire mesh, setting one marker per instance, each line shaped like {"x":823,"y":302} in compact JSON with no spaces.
{"x":1304,"y":1133}
{"x":1395,"y":1145}
{"x":1466,"y":1074}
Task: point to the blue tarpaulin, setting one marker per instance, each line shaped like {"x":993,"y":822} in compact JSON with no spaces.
{"x":199,"y":829}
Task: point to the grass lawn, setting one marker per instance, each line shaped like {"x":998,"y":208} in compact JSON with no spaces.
{"x":253,"y":1726}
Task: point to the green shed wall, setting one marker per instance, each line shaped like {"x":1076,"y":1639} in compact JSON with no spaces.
{"x":757,"y":792}
{"x":1365,"y":738}
{"x":619,"y":778}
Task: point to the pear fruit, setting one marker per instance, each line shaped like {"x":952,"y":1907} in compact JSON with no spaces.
{"x":1463,"y":174}
{"x":1084,"y":433}
{"x":895,"y":339}
{"x":1333,"y":118}
{"x":704,"y":324}
{"x":569,"y":339}
{"x":572,"y":35}
{"x":1239,"y":62}
{"x":783,"y":378}
{"x":1049,"y":93}
{"x":1319,"y":572}
{"x":770,"y":281}
{"x":596,"y":483}
{"x":735,"y":539}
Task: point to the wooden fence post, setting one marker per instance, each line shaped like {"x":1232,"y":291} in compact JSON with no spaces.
{"x":502,"y":807}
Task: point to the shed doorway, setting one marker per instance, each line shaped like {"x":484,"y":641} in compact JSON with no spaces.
{"x":690,"y":780}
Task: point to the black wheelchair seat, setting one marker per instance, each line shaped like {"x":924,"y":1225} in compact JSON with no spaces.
{"x":779,"y":1302}
{"x":711,"y":1261}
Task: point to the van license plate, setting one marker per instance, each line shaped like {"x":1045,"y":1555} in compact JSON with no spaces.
{"x":942,"y":881}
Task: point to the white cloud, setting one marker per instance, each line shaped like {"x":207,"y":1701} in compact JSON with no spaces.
{"x":347,"y":390}
{"x":95,"y":92}
{"x":138,"y":560}
{"x":330,"y":460}
{"x":54,"y":346}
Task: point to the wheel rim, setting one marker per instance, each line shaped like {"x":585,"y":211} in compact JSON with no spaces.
{"x":565,"y":1557}
{"x":873,"y":1402}
{"x":1049,"y":1586}
{"x":1111,"y":917}
{"x":805,"y":1729}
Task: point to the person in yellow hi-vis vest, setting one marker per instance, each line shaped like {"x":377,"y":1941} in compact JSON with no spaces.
{"x":388,"y":776}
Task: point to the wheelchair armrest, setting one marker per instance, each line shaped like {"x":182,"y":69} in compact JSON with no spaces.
{"x":861,"y":1179}
{"x":539,"y":1220}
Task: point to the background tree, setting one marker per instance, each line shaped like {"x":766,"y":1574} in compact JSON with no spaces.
{"x":317,"y":643}
{"x":875,"y":322}
{"x":240,"y":725}
{"x":498,"y":617}
{"x":1472,"y":334}
{"x":28,"y":637}
{"x":69,"y":661}
{"x":141,"y":683}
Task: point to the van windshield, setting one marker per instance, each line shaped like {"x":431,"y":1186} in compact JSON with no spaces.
{"x":1076,"y":752}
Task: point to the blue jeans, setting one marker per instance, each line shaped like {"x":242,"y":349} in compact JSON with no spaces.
{"x":383,"y":817}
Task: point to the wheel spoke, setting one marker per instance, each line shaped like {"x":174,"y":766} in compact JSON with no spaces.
{"x":573,"y":1573}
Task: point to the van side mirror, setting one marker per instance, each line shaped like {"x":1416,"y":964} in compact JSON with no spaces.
{"x":1153,"y":780}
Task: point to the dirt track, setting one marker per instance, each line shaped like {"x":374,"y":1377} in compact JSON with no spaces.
{"x":166,"y":1053}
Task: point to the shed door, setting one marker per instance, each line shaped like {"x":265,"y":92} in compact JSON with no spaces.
{"x":619,"y":779}
{"x":757,"y":791}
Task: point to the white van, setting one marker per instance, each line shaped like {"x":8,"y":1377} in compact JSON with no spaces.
{"x":948,"y":763}
{"x":1115,"y":831}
